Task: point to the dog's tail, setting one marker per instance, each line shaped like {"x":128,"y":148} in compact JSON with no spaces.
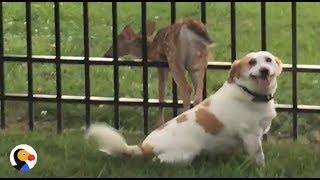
{"x":111,"y":141}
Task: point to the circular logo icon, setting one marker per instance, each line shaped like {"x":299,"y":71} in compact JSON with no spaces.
{"x":23,"y":157}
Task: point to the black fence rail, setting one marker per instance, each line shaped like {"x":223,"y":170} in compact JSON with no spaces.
{"x":116,"y":101}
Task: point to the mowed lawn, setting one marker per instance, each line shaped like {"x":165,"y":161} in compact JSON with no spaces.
{"x":69,"y":155}
{"x":283,"y":158}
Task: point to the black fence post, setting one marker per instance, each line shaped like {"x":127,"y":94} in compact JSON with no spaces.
{"x":2,"y":114}
{"x":294,"y":70}
{"x":86,"y":61}
{"x":204,"y":21}
{"x":145,"y":67}
{"x":58,"y":65}
{"x":263,"y":36}
{"x":233,"y":31}
{"x":116,"y":64}
{"x":29,"y":64}
{"x":263,"y":26}
{"x":174,"y":85}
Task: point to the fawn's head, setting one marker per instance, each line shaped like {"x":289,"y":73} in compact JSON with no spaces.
{"x":130,"y":43}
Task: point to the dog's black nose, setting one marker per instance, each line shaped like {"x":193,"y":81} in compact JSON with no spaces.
{"x":264,"y":72}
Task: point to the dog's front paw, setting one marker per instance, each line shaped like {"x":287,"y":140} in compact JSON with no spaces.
{"x":257,"y":160}
{"x":261,"y":162}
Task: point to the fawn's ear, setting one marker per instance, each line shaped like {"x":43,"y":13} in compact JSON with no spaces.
{"x":128,"y":32}
{"x":151,"y":27}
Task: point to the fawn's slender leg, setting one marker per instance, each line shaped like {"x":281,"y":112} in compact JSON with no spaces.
{"x":162,"y":75}
{"x":197,"y":77}
{"x":177,"y":72}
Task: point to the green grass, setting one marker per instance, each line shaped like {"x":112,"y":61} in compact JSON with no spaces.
{"x":69,"y":155}
{"x":101,"y":77}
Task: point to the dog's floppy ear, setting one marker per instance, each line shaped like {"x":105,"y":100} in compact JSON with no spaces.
{"x":279,"y":62}
{"x":234,"y":71}
{"x":236,"y":68}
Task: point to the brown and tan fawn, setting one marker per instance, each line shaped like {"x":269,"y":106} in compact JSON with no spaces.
{"x":184,"y":45}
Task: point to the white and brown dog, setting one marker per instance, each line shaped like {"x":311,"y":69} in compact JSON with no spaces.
{"x":239,"y":113}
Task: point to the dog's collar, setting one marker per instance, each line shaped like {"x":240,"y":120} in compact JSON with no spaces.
{"x":257,"y":97}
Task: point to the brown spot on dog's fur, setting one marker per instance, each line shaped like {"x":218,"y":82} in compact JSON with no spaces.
{"x":181,"y":118}
{"x":238,"y":66}
{"x":278,"y":61}
{"x":147,"y":149}
{"x":208,"y":121}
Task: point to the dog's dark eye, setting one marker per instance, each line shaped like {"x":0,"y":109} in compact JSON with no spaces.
{"x":252,"y":62}
{"x":268,"y":60}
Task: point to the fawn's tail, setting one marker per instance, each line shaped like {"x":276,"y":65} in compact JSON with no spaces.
{"x":199,"y":28}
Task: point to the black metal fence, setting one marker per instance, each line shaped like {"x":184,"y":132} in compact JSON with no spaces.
{"x":86,"y":61}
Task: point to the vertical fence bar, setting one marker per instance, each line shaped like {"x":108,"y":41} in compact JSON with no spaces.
{"x":2,"y":115}
{"x":86,"y":61}
{"x":233,"y":31}
{"x":58,"y":64}
{"x":263,"y":36}
{"x":145,"y":67}
{"x":204,"y":21}
{"x":294,"y":70}
{"x":263,"y":26}
{"x":29,"y":64}
{"x":174,"y":85}
{"x":116,"y":65}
